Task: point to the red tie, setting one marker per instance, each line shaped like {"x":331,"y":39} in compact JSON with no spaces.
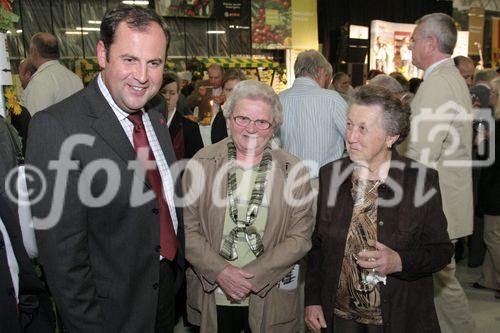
{"x":168,"y":240}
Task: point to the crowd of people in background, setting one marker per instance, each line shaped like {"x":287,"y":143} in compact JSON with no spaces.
{"x":324,"y":207}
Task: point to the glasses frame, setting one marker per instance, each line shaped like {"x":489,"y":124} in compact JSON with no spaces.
{"x":242,"y":118}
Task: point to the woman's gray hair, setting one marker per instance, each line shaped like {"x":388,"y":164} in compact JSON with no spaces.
{"x":485,"y":75}
{"x":395,"y":114}
{"x":255,"y":90}
{"x":442,"y":27}
{"x":387,"y":82}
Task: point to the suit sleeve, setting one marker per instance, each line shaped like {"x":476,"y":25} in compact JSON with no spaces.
{"x":275,"y":263}
{"x":61,"y":228}
{"x":434,"y":249}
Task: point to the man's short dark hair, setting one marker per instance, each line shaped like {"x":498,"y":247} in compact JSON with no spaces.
{"x":46,"y":45}
{"x":137,"y":18}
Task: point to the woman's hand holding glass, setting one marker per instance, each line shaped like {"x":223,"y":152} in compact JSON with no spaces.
{"x":383,"y":259}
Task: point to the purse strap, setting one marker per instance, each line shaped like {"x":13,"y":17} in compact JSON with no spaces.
{"x":19,"y":154}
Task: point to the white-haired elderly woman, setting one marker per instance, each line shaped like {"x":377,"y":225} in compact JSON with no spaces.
{"x":380,"y":231}
{"x":248,"y":221}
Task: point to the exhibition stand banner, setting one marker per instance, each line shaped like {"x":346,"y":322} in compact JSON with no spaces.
{"x":390,"y":47}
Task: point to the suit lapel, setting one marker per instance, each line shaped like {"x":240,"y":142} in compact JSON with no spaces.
{"x":107,"y":125}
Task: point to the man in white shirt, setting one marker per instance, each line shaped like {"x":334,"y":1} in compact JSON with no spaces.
{"x":314,"y":118}
{"x":441,"y":137}
{"x":52,"y":82}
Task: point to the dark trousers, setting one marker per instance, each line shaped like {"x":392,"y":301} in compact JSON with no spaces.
{"x":341,"y":325}
{"x":165,"y":314}
{"x":232,"y":319}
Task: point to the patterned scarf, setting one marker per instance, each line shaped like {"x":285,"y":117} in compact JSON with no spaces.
{"x":228,"y":249}
{"x":355,"y":301}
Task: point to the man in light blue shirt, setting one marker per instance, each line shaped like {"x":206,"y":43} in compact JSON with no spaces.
{"x":314,"y":117}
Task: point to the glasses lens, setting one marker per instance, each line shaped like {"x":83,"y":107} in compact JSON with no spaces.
{"x":242,"y":121}
{"x":262,"y":124}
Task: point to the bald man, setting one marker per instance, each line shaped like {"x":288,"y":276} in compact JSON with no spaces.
{"x":466,"y":68}
{"x":52,"y":82}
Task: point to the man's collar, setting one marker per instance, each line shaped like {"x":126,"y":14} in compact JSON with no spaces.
{"x":306,"y":81}
{"x":45,"y":65}
{"x":429,"y":69}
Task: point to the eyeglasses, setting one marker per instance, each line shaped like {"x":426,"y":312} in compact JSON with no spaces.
{"x":260,"y":124}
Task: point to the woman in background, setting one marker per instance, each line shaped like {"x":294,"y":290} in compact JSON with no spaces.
{"x":185,"y":134}
{"x":230,"y":79}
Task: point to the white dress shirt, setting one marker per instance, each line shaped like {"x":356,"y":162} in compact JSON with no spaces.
{"x":11,"y":259}
{"x":161,"y":162}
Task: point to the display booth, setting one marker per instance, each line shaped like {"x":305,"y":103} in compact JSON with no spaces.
{"x":389,"y":47}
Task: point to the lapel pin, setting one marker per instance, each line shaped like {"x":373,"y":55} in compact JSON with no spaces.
{"x":162,"y":121}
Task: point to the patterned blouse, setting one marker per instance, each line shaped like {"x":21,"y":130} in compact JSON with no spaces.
{"x":355,"y":301}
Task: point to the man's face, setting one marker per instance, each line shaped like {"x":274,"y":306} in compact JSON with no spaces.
{"x":419,"y":46}
{"x":342,"y":85}
{"x":133,"y":69}
{"x":466,"y":69}
{"x":215,"y":77}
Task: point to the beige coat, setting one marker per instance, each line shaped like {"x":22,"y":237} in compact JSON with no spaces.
{"x":444,"y":100}
{"x":286,"y":239}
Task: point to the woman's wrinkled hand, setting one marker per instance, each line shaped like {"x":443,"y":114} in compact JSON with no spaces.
{"x":384,"y":259}
{"x":234,"y":282}
{"x":314,"y":317}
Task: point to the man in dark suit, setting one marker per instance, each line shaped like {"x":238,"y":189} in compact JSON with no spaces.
{"x":24,"y":304}
{"x":110,"y":238}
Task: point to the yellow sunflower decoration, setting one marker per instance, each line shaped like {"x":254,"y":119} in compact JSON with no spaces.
{"x":11,"y":102}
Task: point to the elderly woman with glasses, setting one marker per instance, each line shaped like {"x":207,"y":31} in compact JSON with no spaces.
{"x":380,"y":231}
{"x":248,"y":222}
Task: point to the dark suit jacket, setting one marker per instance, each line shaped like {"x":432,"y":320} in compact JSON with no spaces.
{"x":191,"y":134}
{"x":35,"y":310}
{"x":102,"y":263}
{"x":219,"y":128}
{"x":21,"y":123}
{"x":489,"y":181}
{"x":9,"y":146}
{"x":418,"y":234}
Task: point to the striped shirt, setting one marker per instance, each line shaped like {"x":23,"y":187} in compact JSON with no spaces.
{"x":314,"y":123}
{"x":161,"y":162}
